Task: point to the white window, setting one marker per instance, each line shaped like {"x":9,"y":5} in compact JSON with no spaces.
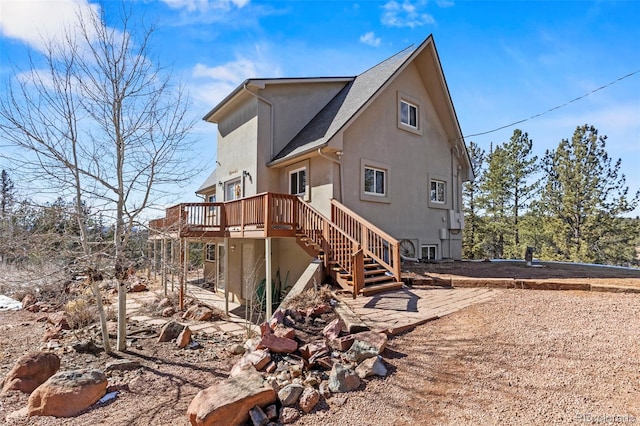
{"x":374,"y":181}
{"x":211,"y":252}
{"x":211,"y":198}
{"x":233,"y":190}
{"x":437,"y":191}
{"x":428,"y":252}
{"x":298,"y":182}
{"x":408,"y":114}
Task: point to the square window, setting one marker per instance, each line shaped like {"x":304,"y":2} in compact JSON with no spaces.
{"x":233,"y":190}
{"x":211,"y":252}
{"x":428,"y":252}
{"x":298,"y":182}
{"x":374,"y":181}
{"x":408,"y":114}
{"x":437,"y":192}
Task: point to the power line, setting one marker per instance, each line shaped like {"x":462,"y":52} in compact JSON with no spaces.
{"x":556,"y":107}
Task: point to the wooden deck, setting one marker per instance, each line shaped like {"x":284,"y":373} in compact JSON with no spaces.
{"x":346,"y":242}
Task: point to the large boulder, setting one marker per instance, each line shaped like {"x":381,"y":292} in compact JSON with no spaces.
{"x":343,"y":379}
{"x":290,"y":394}
{"x":274,"y":343}
{"x":366,"y":344}
{"x":371,"y":367}
{"x":170,"y":331}
{"x":309,"y":399}
{"x":229,"y":401}
{"x":67,"y":393}
{"x":30,"y":371}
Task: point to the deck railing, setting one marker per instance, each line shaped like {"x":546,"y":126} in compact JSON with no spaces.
{"x":344,"y":239}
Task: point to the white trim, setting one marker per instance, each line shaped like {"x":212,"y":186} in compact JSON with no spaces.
{"x":297,"y":172}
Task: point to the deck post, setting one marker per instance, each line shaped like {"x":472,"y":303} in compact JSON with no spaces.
{"x":226,"y":276}
{"x":181,"y":273}
{"x":163,"y":264}
{"x":268,"y":286}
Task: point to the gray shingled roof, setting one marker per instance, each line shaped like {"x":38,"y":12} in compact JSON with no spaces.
{"x":343,"y":106}
{"x":211,"y":181}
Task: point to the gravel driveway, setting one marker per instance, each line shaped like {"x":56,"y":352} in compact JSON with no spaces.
{"x":525,"y":358}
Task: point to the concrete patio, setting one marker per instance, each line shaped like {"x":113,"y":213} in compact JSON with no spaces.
{"x":391,"y":312}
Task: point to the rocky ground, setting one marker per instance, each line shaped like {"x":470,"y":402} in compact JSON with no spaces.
{"x":526,"y":357}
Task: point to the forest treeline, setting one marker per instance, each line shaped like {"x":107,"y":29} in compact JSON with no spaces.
{"x":569,"y":205}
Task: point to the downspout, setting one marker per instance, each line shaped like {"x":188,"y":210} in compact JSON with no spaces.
{"x":271,"y":124}
{"x":339,"y":163}
{"x":453,"y":202}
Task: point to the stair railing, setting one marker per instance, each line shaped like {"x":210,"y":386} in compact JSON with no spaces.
{"x":375,"y":243}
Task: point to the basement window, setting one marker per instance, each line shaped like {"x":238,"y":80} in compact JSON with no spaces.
{"x":428,"y":252}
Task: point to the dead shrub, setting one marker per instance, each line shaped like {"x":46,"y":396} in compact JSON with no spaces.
{"x":310,"y":298}
{"x":80,"y":313}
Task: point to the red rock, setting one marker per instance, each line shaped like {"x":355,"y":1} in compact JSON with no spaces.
{"x":333,"y":329}
{"x":259,"y":359}
{"x":28,"y":300}
{"x":30,"y":371}
{"x":184,"y":338}
{"x":59,"y":319}
{"x":373,"y":339}
{"x":170,"y":331}
{"x":286,"y":332}
{"x":318,"y":310}
{"x":198,"y":313}
{"x":229,"y":401}
{"x":309,"y":399}
{"x":67,"y":393}
{"x":138,"y":287}
{"x":276,"y":318}
{"x":310,"y":349}
{"x":51,"y":334}
{"x":277,"y":344}
{"x":167,"y":312}
{"x":341,"y":343}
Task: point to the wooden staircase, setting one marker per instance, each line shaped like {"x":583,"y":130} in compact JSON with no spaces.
{"x":358,"y":256}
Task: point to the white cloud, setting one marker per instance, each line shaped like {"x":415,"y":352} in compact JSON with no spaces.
{"x":405,"y":14}
{"x":34,"y":21}
{"x":370,"y":39}
{"x":214,"y":83}
{"x":205,"y":5}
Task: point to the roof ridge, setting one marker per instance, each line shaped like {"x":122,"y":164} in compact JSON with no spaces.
{"x":388,"y":59}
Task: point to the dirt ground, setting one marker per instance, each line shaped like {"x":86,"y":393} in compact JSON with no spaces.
{"x":519,"y":270}
{"x":525,"y":357}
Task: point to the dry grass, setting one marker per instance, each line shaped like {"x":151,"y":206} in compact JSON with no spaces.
{"x":310,"y":298}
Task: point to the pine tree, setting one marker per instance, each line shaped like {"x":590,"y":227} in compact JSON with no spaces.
{"x":7,"y":195}
{"x":494,"y":201}
{"x":521,"y":166}
{"x":584,"y":196}
{"x":470,"y":194}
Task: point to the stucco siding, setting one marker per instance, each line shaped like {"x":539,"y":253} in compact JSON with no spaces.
{"x":408,"y":158}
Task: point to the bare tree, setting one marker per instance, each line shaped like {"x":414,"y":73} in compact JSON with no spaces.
{"x":96,"y":118}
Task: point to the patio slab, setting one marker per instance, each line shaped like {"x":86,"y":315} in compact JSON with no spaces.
{"x":400,"y":310}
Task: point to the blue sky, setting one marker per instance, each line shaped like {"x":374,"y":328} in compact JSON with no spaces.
{"x":504,"y":61}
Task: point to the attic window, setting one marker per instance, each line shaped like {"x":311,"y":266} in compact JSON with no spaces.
{"x":408,"y":114}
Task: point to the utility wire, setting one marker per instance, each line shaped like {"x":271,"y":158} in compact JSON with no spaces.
{"x":556,"y":107}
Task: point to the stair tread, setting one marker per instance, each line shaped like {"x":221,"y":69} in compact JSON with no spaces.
{"x":378,"y":288}
{"x":378,"y":278}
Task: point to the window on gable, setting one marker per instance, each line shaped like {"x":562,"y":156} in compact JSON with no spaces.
{"x":437,"y":191}
{"x":298,"y":182}
{"x":374,"y":181}
{"x":409,"y":114}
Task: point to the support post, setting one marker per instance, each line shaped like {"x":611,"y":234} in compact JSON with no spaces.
{"x":163,"y":265}
{"x":268,"y":286}
{"x":180,"y":276}
{"x":226,"y":276}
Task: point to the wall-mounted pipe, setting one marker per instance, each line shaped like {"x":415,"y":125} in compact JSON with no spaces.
{"x":339,"y":163}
